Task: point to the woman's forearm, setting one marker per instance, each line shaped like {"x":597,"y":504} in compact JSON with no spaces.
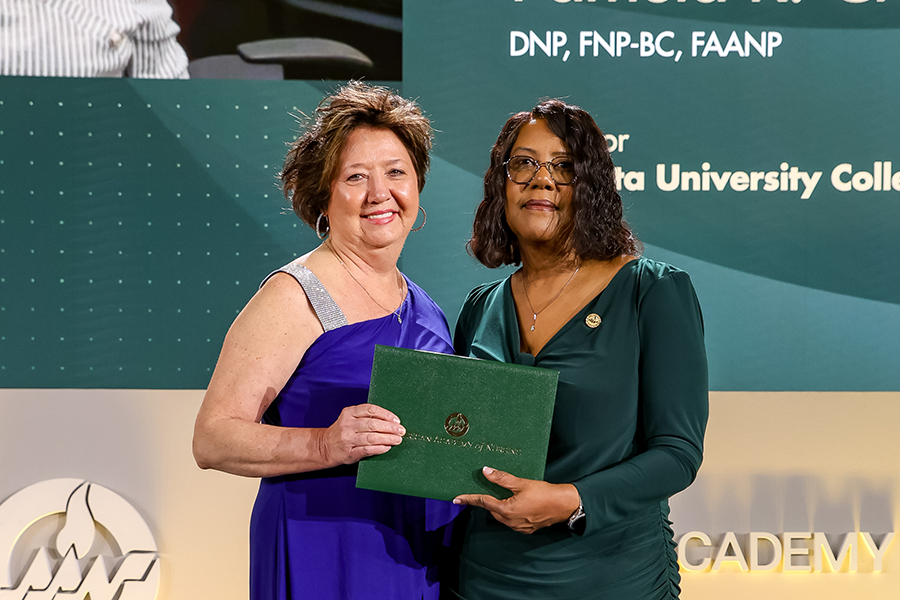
{"x":243,"y":447}
{"x":257,"y":450}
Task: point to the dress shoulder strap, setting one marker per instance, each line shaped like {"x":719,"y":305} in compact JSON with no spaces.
{"x":327,"y":310}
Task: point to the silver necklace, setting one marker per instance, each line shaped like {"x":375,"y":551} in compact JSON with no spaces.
{"x":534,"y":315}
{"x":399,"y":287}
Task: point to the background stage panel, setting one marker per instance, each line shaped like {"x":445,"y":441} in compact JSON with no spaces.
{"x":137,"y":443}
{"x":812,"y":461}
{"x":799,"y":283}
{"x":774,"y":462}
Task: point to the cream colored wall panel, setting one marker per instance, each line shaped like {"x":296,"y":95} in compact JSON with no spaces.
{"x":774,"y":462}
{"x":137,"y":443}
{"x":796,"y":462}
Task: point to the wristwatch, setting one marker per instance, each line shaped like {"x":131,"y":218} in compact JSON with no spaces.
{"x":576,"y":521}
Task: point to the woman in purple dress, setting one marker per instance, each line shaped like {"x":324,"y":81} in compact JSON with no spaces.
{"x":287,"y":401}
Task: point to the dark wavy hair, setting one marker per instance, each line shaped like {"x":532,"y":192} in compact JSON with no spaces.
{"x":596,"y":229}
{"x":314,"y":158}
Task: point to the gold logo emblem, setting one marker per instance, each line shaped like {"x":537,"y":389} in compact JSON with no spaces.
{"x":592,"y":320}
{"x":457,"y":425}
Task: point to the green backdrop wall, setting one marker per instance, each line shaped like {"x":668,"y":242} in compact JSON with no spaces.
{"x":137,"y":217}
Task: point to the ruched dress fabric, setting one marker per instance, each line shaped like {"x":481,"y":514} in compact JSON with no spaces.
{"x":627,"y":431}
{"x":315,"y":535}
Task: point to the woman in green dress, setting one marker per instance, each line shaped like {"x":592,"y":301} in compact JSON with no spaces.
{"x":625,"y":334}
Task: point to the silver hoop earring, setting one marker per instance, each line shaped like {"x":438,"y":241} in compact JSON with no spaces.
{"x":424,"y":219}
{"x":319,"y":233}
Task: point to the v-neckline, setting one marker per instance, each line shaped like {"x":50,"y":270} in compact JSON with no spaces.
{"x":510,"y":303}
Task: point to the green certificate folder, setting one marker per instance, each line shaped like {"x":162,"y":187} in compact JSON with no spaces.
{"x":460,"y":415}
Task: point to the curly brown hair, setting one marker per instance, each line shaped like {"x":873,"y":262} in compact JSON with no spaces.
{"x":596,"y":229}
{"x":313,"y":160}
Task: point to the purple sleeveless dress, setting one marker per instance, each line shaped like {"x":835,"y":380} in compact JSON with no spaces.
{"x":315,"y":535}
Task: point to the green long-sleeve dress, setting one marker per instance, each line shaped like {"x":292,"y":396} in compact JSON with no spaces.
{"x":628,"y":426}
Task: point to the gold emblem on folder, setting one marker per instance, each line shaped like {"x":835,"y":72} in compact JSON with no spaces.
{"x":592,"y":320}
{"x":457,"y":425}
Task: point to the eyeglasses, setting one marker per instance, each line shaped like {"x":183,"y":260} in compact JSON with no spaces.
{"x":522,"y":169}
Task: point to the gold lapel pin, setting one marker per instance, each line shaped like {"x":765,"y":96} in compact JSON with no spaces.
{"x":593,"y":320}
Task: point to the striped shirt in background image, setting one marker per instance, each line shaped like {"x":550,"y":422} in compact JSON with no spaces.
{"x":90,"y":38}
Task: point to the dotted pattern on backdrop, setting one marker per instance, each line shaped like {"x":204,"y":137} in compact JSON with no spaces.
{"x":136,"y":220}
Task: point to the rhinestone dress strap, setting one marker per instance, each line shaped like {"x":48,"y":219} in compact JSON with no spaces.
{"x":327,"y":310}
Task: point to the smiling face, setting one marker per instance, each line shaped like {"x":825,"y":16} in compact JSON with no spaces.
{"x":535,"y":210}
{"x":374,"y":196}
